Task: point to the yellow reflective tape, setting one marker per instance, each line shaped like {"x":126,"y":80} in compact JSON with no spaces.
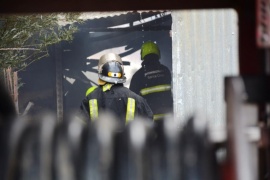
{"x":130,"y":110}
{"x":155,"y":89}
{"x":93,"y":109}
{"x":158,"y":116}
{"x":90,"y":90}
{"x":112,"y":74}
{"x":106,"y":87}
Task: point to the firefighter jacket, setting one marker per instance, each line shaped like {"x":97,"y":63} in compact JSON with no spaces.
{"x":117,"y":99}
{"x":153,"y":82}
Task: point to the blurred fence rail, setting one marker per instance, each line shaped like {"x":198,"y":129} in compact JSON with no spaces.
{"x":40,"y":148}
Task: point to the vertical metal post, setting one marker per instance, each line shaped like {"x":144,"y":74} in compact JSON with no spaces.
{"x":59,"y":82}
{"x":263,"y":41}
{"x":241,"y":116}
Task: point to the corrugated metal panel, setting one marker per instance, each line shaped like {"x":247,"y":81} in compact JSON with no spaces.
{"x":105,"y":14}
{"x":127,"y":16}
{"x":205,"y":50}
{"x":97,"y":14}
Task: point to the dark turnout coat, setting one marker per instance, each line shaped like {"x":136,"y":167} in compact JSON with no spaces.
{"x":153,"y":82}
{"x":117,"y":99}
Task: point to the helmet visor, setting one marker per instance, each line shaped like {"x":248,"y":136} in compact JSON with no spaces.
{"x":114,"y":80}
{"x":112,"y":72}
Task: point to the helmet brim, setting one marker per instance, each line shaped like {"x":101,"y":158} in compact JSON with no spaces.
{"x":101,"y":82}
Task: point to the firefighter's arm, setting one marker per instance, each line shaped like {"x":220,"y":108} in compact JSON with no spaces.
{"x":145,"y":110}
{"x":84,"y":108}
{"x":168,"y":74}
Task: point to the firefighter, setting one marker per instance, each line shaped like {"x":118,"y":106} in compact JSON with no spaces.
{"x":153,"y":81}
{"x":112,"y":96}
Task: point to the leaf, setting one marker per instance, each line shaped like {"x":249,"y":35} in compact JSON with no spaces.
{"x":36,"y":31}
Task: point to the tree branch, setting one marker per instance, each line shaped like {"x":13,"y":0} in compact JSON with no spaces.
{"x":19,"y":49}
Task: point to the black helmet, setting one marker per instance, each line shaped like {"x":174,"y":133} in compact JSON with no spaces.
{"x":112,"y":72}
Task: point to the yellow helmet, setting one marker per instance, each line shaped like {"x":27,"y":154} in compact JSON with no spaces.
{"x":149,"y":47}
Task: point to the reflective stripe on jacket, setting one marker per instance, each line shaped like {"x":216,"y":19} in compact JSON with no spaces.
{"x":130,"y":113}
{"x":155,"y":89}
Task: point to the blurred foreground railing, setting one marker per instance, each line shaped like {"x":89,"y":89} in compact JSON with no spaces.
{"x":39,"y":148}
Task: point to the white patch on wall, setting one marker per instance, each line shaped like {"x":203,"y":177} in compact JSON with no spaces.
{"x":70,"y":80}
{"x":92,"y":76}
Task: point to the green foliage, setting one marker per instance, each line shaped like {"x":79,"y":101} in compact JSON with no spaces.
{"x":25,"y":38}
